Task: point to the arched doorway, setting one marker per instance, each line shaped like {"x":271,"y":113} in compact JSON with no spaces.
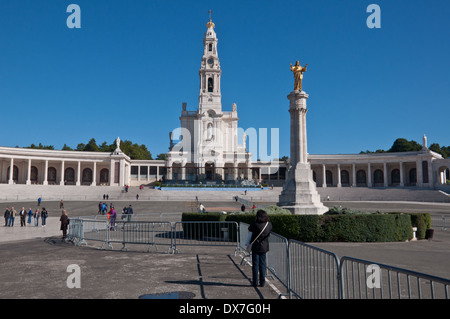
{"x":51,"y":175}
{"x":361,"y":179}
{"x":412,"y":176}
{"x":15,"y":173}
{"x":34,"y":175}
{"x":378,"y":178}
{"x":395,"y":177}
{"x":69,"y":176}
{"x":345,"y":178}
{"x":329,"y":178}
{"x":104,"y":176}
{"x":209,"y":171}
{"x":86,"y":178}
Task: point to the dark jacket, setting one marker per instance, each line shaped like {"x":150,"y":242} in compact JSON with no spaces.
{"x":64,"y":222}
{"x":261,"y":245}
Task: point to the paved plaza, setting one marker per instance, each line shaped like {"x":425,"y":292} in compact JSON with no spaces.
{"x":37,"y":259}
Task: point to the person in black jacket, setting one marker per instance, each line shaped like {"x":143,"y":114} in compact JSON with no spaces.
{"x":260,"y":229}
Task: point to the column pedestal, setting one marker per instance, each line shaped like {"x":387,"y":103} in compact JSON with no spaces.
{"x":299,"y":193}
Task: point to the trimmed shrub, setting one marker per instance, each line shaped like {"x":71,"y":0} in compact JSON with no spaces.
{"x":341,"y":227}
{"x":422,"y":221}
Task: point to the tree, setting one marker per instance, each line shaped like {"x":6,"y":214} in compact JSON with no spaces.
{"x":135,"y":151}
{"x":403,"y":145}
{"x":444,"y":151}
{"x":41,"y":147}
{"x":80,"y":147}
{"x":66,"y":148}
{"x":105,"y":147}
{"x":91,"y":146}
{"x":162,"y":156}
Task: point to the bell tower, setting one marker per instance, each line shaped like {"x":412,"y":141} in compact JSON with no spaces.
{"x":210,"y":96}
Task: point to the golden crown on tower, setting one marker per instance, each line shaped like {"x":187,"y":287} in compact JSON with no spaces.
{"x":210,"y":24}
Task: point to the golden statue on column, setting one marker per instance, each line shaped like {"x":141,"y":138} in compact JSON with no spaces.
{"x":298,"y":70}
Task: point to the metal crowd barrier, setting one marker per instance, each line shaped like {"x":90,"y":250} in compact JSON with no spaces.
{"x":307,"y":272}
{"x":206,"y":233}
{"x":440,"y":221}
{"x":310,"y":272}
{"x":362,"y":279}
{"x":153,"y":234}
{"x":314,"y":272}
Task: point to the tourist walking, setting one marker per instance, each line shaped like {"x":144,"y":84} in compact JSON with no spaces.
{"x":112,"y":218}
{"x":64,"y":219}
{"x":12,"y":216}
{"x":22,"y":214}
{"x":36,"y":217}
{"x":260,"y":230}
{"x":6,"y":215}
{"x":44,"y":215}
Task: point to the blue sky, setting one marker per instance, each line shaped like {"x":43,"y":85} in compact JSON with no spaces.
{"x":130,"y":66}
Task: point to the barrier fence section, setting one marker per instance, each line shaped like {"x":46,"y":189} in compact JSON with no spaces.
{"x":362,"y":279}
{"x":152,"y":234}
{"x":314,"y":272}
{"x":440,"y":221}
{"x":206,"y":233}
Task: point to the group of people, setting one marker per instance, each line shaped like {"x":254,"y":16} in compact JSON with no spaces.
{"x":127,"y":212}
{"x":25,"y":216}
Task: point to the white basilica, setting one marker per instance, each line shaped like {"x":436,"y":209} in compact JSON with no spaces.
{"x":207,"y":147}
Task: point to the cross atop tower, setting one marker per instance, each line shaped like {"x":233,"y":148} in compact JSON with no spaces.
{"x":210,"y":12}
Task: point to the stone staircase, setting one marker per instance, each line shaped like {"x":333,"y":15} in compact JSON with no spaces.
{"x":10,"y":193}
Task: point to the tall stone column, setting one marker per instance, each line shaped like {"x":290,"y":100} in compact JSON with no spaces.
{"x":11,"y":172}
{"x":299,"y":193}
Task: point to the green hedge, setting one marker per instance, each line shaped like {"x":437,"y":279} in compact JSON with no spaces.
{"x":422,"y":221}
{"x":354,"y":227}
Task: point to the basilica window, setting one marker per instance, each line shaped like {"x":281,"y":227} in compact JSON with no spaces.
{"x":210,"y":84}
{"x":210,"y":47}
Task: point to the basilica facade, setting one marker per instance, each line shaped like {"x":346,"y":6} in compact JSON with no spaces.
{"x":208,"y":147}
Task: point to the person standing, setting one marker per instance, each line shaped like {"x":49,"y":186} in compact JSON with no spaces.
{"x":130,"y":212}
{"x":12,"y":216}
{"x":30,"y":213}
{"x":44,"y":215}
{"x":36,"y":217}
{"x":64,"y":223}
{"x":6,"y":215}
{"x":112,"y":218}
{"x":260,"y":230}
{"x":22,"y":215}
